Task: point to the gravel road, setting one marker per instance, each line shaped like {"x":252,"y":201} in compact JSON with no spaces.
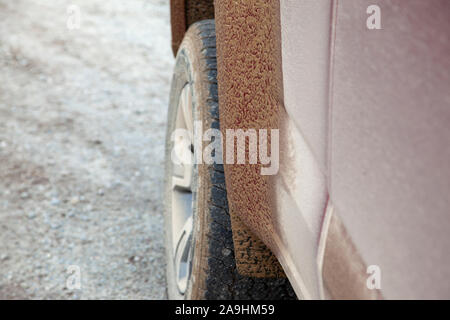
{"x":82,"y":126}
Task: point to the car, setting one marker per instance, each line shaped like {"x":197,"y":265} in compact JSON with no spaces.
{"x":307,"y":150}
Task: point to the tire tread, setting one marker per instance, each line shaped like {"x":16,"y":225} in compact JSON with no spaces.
{"x":223,"y":281}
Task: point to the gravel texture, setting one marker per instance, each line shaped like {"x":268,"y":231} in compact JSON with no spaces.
{"x":82,"y":125}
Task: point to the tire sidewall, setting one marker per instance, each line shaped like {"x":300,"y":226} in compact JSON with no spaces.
{"x":187,"y":61}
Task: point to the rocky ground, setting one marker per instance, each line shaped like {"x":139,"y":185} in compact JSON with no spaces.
{"x":82,"y":126}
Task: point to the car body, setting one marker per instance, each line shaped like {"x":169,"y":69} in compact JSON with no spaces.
{"x":363,"y":112}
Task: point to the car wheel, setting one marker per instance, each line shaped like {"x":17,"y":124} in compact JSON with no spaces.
{"x":199,"y":244}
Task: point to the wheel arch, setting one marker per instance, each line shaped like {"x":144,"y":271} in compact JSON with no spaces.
{"x":183,"y":13}
{"x":249,"y":61}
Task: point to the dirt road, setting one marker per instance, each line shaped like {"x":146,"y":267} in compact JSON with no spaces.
{"x":82,"y":125}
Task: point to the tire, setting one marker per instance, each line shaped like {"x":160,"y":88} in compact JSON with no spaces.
{"x":209,"y":260}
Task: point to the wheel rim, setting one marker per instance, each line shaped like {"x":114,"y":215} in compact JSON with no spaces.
{"x":182,"y":192}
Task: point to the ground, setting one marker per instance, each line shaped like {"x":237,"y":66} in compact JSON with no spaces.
{"x":82,"y":127}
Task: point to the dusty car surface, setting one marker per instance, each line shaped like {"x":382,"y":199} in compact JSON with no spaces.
{"x":352,"y":100}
